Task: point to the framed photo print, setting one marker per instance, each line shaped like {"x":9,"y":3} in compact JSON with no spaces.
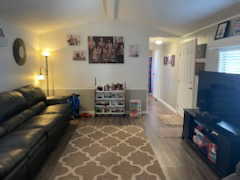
{"x":79,"y":55}
{"x":173,"y":60}
{"x":73,"y":40}
{"x":165,"y":60}
{"x":106,"y":49}
{"x":133,"y":51}
{"x":222,"y":30}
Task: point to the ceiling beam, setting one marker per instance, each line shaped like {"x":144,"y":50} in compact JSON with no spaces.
{"x":111,"y":8}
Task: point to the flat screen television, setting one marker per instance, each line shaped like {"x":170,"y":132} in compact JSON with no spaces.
{"x":219,"y":95}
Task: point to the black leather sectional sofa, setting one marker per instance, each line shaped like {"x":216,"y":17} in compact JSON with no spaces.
{"x":29,"y":129}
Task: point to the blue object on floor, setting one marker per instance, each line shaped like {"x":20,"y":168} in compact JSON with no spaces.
{"x":74,"y":100}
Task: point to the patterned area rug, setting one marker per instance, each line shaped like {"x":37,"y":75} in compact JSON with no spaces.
{"x":108,"y":153}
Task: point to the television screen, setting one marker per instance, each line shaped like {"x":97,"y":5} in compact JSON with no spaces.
{"x":219,"y":94}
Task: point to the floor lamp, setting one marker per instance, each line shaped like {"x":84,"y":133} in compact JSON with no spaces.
{"x":46,"y":54}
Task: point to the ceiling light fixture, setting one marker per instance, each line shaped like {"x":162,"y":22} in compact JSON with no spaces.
{"x":158,"y":42}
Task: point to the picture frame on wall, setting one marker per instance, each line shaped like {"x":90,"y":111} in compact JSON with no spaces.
{"x":73,"y":40}
{"x":106,"y":49}
{"x":222,"y":30}
{"x":165,"y":60}
{"x":79,"y":55}
{"x":173,"y":57}
{"x":133,"y":51}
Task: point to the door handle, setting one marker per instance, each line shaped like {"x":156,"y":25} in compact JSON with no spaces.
{"x":190,"y":88}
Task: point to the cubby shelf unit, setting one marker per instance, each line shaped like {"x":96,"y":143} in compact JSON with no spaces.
{"x":110,"y":102}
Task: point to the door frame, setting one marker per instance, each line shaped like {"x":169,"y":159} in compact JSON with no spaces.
{"x":178,"y":108}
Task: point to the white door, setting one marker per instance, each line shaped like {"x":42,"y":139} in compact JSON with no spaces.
{"x":155,"y":74}
{"x":186,"y":81}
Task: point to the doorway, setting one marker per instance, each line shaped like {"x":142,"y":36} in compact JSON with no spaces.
{"x":150,"y":76}
{"x":186,"y":81}
{"x":155,"y":72}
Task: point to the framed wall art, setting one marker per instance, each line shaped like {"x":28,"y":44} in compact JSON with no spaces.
{"x":79,"y":55}
{"x":133,"y":51}
{"x":173,"y":57}
{"x":165,"y":60}
{"x":73,"y":40}
{"x":19,"y":51}
{"x":106,"y":49}
{"x":222,"y":30}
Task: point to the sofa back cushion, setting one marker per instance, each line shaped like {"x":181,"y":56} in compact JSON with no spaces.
{"x":38,"y":108}
{"x":32,"y":94}
{"x":2,"y":131}
{"x":17,"y":120}
{"x":11,"y":103}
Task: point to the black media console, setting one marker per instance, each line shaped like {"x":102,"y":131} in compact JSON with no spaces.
{"x":216,"y":142}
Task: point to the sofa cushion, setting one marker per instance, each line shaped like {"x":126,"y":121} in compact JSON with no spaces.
{"x":11,"y":103}
{"x":16,"y":120}
{"x":24,"y":138}
{"x":32,"y":94}
{"x":45,"y":121}
{"x":59,"y":108}
{"x":9,"y":159}
{"x":2,"y":131}
{"x":38,"y":108}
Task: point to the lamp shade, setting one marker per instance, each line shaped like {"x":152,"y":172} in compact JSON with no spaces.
{"x":40,"y":77}
{"x":46,"y":53}
{"x":158,"y":42}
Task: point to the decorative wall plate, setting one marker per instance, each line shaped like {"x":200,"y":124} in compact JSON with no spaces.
{"x":19,"y":52}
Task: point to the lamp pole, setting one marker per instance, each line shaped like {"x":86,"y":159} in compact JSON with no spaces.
{"x":46,"y":61}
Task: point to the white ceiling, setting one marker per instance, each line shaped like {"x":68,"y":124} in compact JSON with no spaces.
{"x":174,"y":16}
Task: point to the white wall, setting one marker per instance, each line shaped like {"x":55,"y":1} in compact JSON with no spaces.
{"x":74,"y":76}
{"x":166,"y":75}
{"x":12,"y":75}
{"x":70,"y":74}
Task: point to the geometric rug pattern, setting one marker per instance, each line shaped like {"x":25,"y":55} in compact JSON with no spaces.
{"x":108,"y":152}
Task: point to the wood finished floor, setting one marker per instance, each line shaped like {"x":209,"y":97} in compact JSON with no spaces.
{"x":177,"y":159}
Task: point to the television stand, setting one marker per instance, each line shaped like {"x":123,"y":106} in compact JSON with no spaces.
{"x":217,"y":143}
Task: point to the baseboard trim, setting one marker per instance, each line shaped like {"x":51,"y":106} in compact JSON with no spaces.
{"x":168,"y":105}
{"x":90,"y":112}
{"x":93,"y":112}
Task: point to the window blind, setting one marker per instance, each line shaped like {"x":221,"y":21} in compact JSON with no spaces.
{"x":229,"y":61}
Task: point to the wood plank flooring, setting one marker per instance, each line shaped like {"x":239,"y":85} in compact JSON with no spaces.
{"x":177,"y":159}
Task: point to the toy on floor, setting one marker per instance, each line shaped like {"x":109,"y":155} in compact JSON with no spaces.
{"x":74,"y":101}
{"x":86,"y":115}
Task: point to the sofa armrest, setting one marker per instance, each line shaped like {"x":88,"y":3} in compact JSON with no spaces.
{"x":52,"y":100}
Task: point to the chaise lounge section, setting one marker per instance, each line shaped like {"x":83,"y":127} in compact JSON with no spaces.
{"x":30,"y":128}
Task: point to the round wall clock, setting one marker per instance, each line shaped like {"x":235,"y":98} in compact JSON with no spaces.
{"x":19,"y":51}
